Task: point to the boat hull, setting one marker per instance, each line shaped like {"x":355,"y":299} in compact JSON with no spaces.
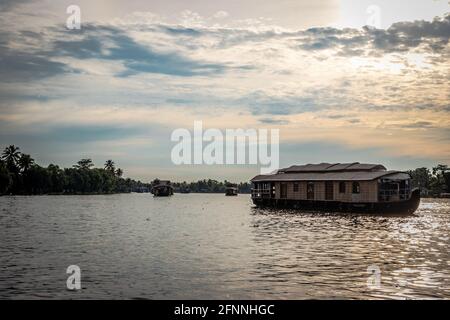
{"x":162,"y":192}
{"x":400,"y":207}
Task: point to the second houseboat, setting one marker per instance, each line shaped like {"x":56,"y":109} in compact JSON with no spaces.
{"x":162,"y":188}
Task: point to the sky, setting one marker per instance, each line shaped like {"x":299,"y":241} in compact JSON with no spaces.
{"x":343,"y":81}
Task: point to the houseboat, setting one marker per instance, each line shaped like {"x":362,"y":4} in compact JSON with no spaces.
{"x":162,"y":188}
{"x":231,"y":191}
{"x":343,"y":187}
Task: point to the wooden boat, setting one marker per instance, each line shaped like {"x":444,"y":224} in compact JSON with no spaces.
{"x":231,"y":191}
{"x":342,"y":187}
{"x":162,"y":188}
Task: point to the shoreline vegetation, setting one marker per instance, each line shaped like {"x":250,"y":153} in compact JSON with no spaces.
{"x":20,"y":175}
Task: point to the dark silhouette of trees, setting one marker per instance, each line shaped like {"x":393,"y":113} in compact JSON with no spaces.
{"x":432,"y":182}
{"x":19,"y":174}
{"x":210,"y":186}
{"x":25,"y":162}
{"x":11,"y":156}
{"x":84,"y":164}
{"x":110,"y":166}
{"x":5,"y":178}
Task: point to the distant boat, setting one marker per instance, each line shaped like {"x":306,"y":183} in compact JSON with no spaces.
{"x":342,"y":187}
{"x":162,"y":188}
{"x":231,"y":191}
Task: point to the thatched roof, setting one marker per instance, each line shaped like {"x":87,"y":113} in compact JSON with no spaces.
{"x":332,"y":172}
{"x":333,"y":167}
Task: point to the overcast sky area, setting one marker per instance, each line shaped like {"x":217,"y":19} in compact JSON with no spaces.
{"x":338,"y":90}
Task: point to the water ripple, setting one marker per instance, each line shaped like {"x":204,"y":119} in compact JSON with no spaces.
{"x":214,"y":247}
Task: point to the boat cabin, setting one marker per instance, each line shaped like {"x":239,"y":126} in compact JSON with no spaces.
{"x":231,"y":191}
{"x":162,"y":188}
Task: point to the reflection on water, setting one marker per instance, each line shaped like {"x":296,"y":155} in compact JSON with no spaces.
{"x":216,"y":247}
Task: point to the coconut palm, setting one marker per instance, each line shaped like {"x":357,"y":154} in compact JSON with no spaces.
{"x":119,"y":172}
{"x":84,"y":164}
{"x":110,"y":166}
{"x":11,"y":156}
{"x":25,"y":162}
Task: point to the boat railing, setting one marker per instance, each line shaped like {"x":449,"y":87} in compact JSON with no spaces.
{"x":261,"y":193}
{"x":387,"y":195}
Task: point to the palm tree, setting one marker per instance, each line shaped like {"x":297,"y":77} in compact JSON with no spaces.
{"x":11,"y":156}
{"x":84,"y":164}
{"x":110,"y":166}
{"x":440,"y":168}
{"x":119,"y":172}
{"x":25,"y":162}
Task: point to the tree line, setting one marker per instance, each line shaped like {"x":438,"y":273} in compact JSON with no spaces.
{"x":20,"y":174}
{"x":432,"y":182}
{"x":210,"y":186}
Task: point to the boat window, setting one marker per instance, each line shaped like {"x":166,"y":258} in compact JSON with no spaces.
{"x":310,"y":191}
{"x":295,"y":187}
{"x":341,"y":187}
{"x":283,"y":191}
{"x":355,"y":187}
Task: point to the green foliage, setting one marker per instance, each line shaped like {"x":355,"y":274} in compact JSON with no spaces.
{"x":11,"y":156}
{"x":25,"y":162}
{"x":211,"y":186}
{"x":84,"y":164}
{"x":5,"y":178}
{"x":110,"y":166}
{"x":19,"y":174}
{"x":432,"y":182}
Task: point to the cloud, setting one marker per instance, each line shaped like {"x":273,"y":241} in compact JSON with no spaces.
{"x":261,"y":103}
{"x":95,"y":42}
{"x":6,"y":5}
{"x":113,"y":43}
{"x":400,"y":37}
{"x":418,"y":125}
{"x":274,"y":121}
{"x":18,"y":65}
{"x":137,"y":58}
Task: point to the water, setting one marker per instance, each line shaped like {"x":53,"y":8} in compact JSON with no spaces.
{"x":204,"y":246}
